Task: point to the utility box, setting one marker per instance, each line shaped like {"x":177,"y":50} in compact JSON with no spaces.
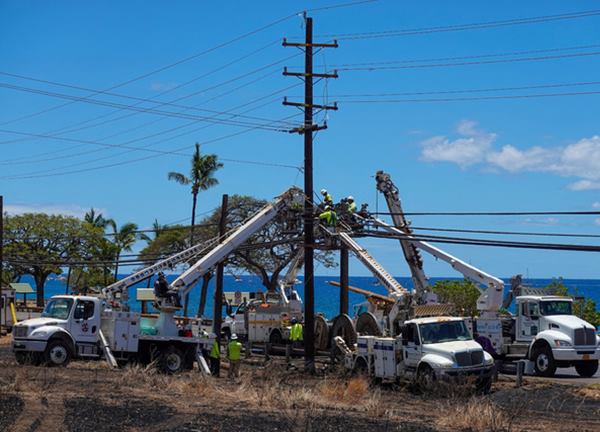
{"x":365,"y":345}
{"x":385,"y":357}
{"x":122,"y":329}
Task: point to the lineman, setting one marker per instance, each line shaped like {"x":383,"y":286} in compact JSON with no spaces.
{"x":215,"y":357}
{"x":296,"y":334}
{"x":328,"y":216}
{"x":234,"y":350}
{"x":327,"y":200}
{"x":351,"y":205}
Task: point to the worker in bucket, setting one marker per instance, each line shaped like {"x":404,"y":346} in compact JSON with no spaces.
{"x":327,"y":200}
{"x":161,"y":290}
{"x":351,"y":204}
{"x":234,"y":351}
{"x":215,"y":357}
{"x":296,"y":334}
{"x":328,"y":216}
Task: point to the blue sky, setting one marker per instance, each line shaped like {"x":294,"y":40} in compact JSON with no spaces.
{"x":530,"y":154}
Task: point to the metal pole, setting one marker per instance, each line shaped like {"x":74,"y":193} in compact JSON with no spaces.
{"x":343,"y":280}
{"x":218,"y":304}
{"x":309,"y":291}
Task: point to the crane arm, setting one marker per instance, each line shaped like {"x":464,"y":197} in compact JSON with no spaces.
{"x":411,"y":253}
{"x":110,"y":293}
{"x":289,"y":279}
{"x":490,"y":299}
{"x":186,"y":280}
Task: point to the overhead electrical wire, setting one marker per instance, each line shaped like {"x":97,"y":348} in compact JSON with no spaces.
{"x":516,"y":233}
{"x":497,"y":213}
{"x":465,"y":27}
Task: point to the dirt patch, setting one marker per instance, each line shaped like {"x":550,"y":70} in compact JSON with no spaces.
{"x":95,"y":415}
{"x":11,"y":407}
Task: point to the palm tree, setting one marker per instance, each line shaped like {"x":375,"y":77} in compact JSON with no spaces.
{"x":96,"y":219}
{"x":201,"y":178}
{"x":124,"y":238}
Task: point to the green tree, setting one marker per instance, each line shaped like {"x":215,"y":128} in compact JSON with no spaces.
{"x":586,"y":308}
{"x":201,"y":177}
{"x":123,"y":239}
{"x":96,"y":219}
{"x":463,"y":294}
{"x":41,"y":245}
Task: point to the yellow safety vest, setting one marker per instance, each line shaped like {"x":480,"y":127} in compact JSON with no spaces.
{"x":234,"y":350}
{"x":215,"y":351}
{"x":296,"y":333}
{"x":352,"y":207}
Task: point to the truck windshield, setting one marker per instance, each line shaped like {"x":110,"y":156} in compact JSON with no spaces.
{"x":58,"y":308}
{"x":444,"y":332}
{"x":556,"y":307}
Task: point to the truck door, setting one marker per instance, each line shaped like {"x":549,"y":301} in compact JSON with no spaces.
{"x":240,"y":319}
{"x":86,"y":322}
{"x":412,"y":346}
{"x":528,"y":320}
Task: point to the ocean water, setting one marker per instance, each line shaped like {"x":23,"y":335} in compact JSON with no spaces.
{"x":326,"y":296}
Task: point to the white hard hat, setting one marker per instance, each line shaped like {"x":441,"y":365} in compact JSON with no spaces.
{"x":350,"y":198}
{"x":233,"y":336}
{"x":323,"y":191}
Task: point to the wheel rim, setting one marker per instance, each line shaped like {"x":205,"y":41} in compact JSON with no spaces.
{"x":173,"y":362}
{"x":542,"y":362}
{"x":58,"y":354}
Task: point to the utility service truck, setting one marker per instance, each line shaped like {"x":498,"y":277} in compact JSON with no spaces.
{"x":90,"y":327}
{"x":543,"y":329}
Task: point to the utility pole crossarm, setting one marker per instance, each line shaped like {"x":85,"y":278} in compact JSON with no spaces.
{"x":309,"y":74}
{"x":312,"y":45}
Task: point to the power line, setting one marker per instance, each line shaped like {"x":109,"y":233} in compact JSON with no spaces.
{"x":480,"y":90}
{"x":161,"y":69}
{"x":530,"y":213}
{"x":478,"y":98}
{"x":470,"y":63}
{"x":519,"y":233}
{"x":463,"y":27}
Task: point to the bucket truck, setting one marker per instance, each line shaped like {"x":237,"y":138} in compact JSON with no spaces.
{"x":544,"y":331}
{"x":90,"y":327}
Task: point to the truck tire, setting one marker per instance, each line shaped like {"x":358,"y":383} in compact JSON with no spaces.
{"x":484,"y":385}
{"x":360,"y":368}
{"x":425,"y":378}
{"x":172,"y":360}
{"x":543,"y":361}
{"x":57,"y":353}
{"x":586,"y":369}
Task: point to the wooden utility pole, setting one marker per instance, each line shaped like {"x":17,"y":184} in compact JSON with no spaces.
{"x":307,"y":129}
{"x":1,"y":256}
{"x":218,"y":304}
{"x":344,"y":280}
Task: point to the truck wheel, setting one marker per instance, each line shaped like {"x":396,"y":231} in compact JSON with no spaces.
{"x":275,"y":338}
{"x":484,"y":385}
{"x":360,"y":367}
{"x":587,"y":369}
{"x":425,"y":378}
{"x":57,"y":353}
{"x":172,"y":360}
{"x":543,"y":361}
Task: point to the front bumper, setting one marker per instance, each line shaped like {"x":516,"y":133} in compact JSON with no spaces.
{"x":477,"y":372}
{"x":576,"y":353}
{"x":28,"y":345}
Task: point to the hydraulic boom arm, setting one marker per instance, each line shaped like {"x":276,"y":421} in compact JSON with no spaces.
{"x":227,"y":245}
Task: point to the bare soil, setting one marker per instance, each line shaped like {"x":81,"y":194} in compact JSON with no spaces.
{"x":88,"y":396}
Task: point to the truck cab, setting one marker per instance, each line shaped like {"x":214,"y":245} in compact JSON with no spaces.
{"x":69,"y":326}
{"x":556,"y":337}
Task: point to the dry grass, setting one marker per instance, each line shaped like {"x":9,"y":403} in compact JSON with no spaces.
{"x":592,"y":391}
{"x":476,"y":415}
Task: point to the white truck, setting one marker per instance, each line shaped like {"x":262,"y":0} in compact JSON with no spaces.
{"x":89,"y":327}
{"x":427,"y":349}
{"x":544,"y":330}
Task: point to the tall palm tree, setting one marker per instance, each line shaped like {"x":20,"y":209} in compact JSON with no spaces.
{"x":124,"y":238}
{"x":201,"y":178}
{"x":96,"y":219}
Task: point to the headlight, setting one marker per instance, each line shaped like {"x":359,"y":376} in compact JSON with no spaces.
{"x":562,"y":343}
{"x":487,"y":359}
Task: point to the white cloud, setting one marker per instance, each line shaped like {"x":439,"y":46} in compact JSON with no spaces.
{"x":542,"y":221}
{"x":470,"y":149}
{"x":54,"y":209}
{"x":596,"y":205}
{"x":580,"y":159}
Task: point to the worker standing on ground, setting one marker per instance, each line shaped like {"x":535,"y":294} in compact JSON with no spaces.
{"x":234,"y":352}
{"x":296,"y":334}
{"x":327,"y":200}
{"x":215,"y":358}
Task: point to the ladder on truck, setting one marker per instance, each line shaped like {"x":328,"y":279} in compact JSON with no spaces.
{"x":121,"y":286}
{"x":394,"y":288}
{"x":184,"y":283}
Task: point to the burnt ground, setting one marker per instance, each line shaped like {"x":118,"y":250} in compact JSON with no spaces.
{"x":88,"y":396}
